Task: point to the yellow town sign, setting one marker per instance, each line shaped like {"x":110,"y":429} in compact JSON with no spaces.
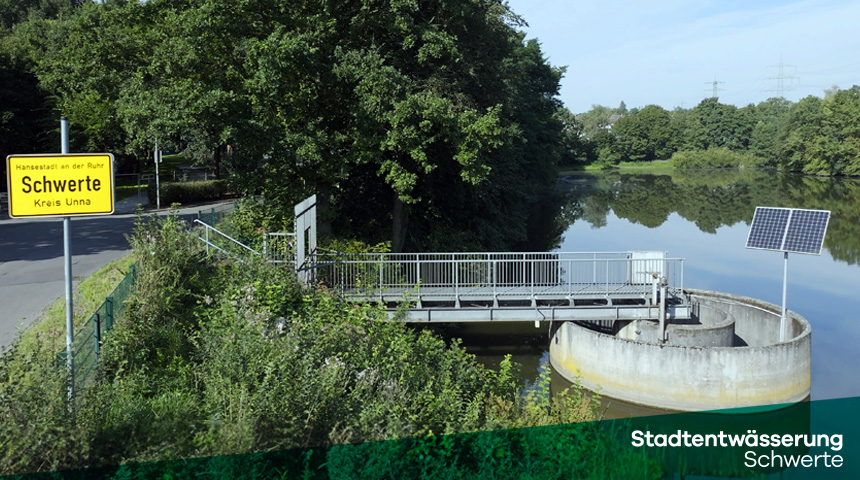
{"x":60,"y":185}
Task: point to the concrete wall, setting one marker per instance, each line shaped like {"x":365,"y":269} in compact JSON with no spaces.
{"x":715,"y":329}
{"x":691,"y":378}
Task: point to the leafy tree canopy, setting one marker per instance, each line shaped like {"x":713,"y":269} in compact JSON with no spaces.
{"x":443,"y":110}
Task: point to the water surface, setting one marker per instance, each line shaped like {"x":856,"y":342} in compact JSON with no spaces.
{"x":703,"y":216}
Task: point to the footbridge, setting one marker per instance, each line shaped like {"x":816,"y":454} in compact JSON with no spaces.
{"x":599,"y":288}
{"x":481,"y":287}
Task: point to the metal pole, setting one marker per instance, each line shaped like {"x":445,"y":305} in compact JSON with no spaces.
{"x":67,"y":257}
{"x":662,"y":314}
{"x":653,"y":289}
{"x":783,"y":320}
{"x":157,"y":186}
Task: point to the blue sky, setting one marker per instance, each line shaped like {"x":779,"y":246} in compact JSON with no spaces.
{"x":669,"y":52}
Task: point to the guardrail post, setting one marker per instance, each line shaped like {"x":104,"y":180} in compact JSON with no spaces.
{"x":524,"y":270}
{"x":455,"y":264}
{"x":570,"y":281}
{"x":534,"y":301}
{"x":607,"y":277}
{"x":495,"y":280}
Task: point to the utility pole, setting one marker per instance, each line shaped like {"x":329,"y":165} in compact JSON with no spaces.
{"x":157,"y":186}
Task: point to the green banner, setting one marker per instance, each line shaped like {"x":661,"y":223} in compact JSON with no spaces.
{"x":819,"y":439}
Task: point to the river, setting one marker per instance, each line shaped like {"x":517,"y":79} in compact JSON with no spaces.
{"x":703,"y":216}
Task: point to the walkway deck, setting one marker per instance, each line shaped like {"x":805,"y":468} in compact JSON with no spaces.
{"x":510,"y":286}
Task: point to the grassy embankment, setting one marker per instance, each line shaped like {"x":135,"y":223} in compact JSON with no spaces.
{"x":661,"y":165}
{"x":89,"y":295}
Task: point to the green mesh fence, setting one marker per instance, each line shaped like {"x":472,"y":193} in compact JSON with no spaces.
{"x":88,"y":337}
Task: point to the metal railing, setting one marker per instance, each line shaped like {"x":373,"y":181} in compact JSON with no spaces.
{"x":279,"y":247}
{"x":229,"y":245}
{"x":498,"y":273}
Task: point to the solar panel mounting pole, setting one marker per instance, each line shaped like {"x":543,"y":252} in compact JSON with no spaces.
{"x":783,"y":321}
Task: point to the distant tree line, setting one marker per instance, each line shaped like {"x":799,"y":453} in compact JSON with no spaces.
{"x":410,"y":121}
{"x":720,"y":198}
{"x":815,"y":135}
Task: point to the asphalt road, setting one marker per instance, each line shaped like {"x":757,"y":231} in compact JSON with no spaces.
{"x":31,"y":261}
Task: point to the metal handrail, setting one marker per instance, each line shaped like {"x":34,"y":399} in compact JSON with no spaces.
{"x":488,"y":255}
{"x":228,"y":237}
{"x":352,"y":272}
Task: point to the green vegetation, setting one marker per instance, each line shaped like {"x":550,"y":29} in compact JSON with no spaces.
{"x":189,"y":192}
{"x":406,"y":127}
{"x":652,"y":165}
{"x":714,"y":158}
{"x":35,"y":430}
{"x":50,"y":330}
{"x":218,"y":357}
{"x":124,"y":191}
{"x":814,"y":136}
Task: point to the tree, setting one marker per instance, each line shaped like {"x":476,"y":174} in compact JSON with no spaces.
{"x":595,"y":120}
{"x":443,"y":110}
{"x":840,"y":123}
{"x":13,"y":12}
{"x":821,"y":136}
{"x":645,"y":135}
{"x":439,"y":116}
{"x":24,"y":113}
{"x":770,"y":122}
{"x":715,"y":125}
{"x":803,"y":140}
{"x":83,"y":60}
{"x":575,"y":147}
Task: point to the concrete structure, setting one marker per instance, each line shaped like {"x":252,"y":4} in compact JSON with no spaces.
{"x":727,"y":356}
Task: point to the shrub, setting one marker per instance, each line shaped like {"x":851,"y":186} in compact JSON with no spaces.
{"x":221,"y":357}
{"x":187,"y":192}
{"x":715,"y":158}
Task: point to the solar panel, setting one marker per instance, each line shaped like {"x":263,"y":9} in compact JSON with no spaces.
{"x":768,"y":228}
{"x":788,"y":230}
{"x":805,"y":232}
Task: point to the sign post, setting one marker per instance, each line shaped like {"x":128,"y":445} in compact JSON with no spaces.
{"x":61,"y":185}
{"x":67,"y":260}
